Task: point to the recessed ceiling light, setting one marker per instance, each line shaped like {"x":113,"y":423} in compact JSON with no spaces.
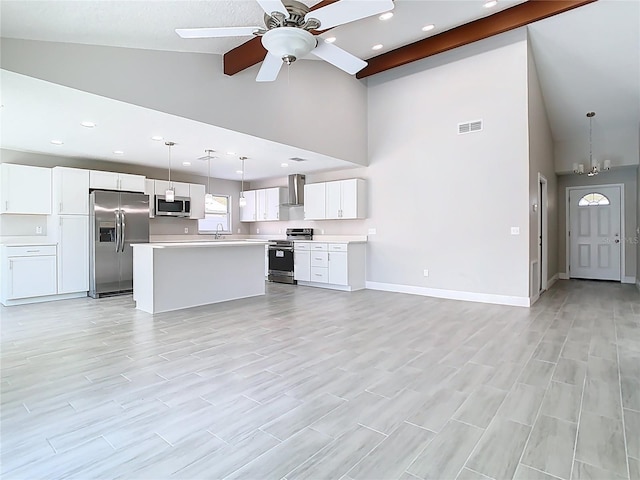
{"x":231,"y":153}
{"x":330,"y":40}
{"x":157,"y":138}
{"x":386,"y":16}
{"x":284,"y":165}
{"x":57,"y":142}
{"x":490,"y":4}
{"x":239,"y":172}
{"x":426,"y":28}
{"x":88,"y":124}
{"x":377,"y":47}
{"x":118,"y":152}
{"x":186,"y":164}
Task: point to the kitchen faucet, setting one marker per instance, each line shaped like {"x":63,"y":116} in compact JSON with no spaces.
{"x":218,"y":232}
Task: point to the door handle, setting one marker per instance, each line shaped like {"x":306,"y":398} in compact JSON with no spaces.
{"x":118,"y":230}
{"x":122,"y":229}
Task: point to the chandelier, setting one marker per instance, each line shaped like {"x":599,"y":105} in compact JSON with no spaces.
{"x":593,"y":168}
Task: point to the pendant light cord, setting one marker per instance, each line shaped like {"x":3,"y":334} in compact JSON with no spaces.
{"x":169,"y":144}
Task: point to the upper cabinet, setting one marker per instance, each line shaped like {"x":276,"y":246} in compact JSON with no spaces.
{"x":180,"y":189}
{"x":116,"y":181}
{"x":25,"y":189}
{"x":70,"y":191}
{"x":339,"y":200}
{"x":248,"y":212}
{"x":315,"y":201}
{"x":265,"y":205}
{"x":196,"y":194}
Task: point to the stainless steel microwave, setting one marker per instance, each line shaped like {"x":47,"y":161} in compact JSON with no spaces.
{"x":180,"y":207}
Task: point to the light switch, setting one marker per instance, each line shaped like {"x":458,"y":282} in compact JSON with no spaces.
{"x":515,"y":230}
{"x":372,"y":231}
{"x":38,"y":229}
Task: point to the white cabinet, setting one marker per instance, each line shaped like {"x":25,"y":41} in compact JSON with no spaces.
{"x":346,"y":199}
{"x":314,"y":201}
{"x":70,"y":191}
{"x":25,"y":189}
{"x":150,"y":189}
{"x":116,"y":181}
{"x":302,"y":265}
{"x":265,"y":205}
{"x":28,"y":271}
{"x":248,"y":212}
{"x":196,"y":194}
{"x":339,"y":266}
{"x":73,"y":253}
{"x":181,"y":189}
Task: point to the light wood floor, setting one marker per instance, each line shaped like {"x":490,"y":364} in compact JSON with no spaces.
{"x":310,"y":383}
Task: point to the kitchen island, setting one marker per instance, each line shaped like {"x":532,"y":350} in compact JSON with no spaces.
{"x":172,"y":276}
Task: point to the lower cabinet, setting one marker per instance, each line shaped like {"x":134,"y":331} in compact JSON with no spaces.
{"x":332,"y":265}
{"x":28,"y":271}
{"x":73,"y":253}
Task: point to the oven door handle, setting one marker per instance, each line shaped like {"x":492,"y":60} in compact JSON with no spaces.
{"x":286,"y":249}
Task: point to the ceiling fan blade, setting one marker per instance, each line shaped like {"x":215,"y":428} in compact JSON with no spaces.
{"x":339,"y":58}
{"x":216,"y":32}
{"x":270,"y":68}
{"x":270,"y":6}
{"x":346,"y":11}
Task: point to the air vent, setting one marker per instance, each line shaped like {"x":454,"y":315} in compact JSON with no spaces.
{"x":470,"y":127}
{"x":298,"y":159}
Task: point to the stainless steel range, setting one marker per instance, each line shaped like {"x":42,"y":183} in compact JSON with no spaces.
{"x":281,"y":255}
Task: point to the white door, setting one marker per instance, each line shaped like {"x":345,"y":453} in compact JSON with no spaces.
{"x":248,"y":212}
{"x":70,"y":191}
{"x":302,"y":266}
{"x":349,"y":198}
{"x":32,"y":276}
{"x":272,"y":196}
{"x":314,"y":201}
{"x":261,"y":205}
{"x":595,"y":248}
{"x":73,"y":254}
{"x":103,"y":180}
{"x":334,"y":200}
{"x":196,"y":194}
{"x":25,"y":189}
{"x":132,"y":183}
{"x":338,"y":268}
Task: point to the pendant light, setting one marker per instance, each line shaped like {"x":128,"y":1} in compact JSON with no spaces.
{"x":242,"y":201}
{"x":208,"y":198}
{"x":594,"y":168}
{"x":170,"y":193}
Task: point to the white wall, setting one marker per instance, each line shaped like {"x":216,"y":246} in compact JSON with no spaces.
{"x":624,"y":175}
{"x":159,"y":226}
{"x":315,"y":107}
{"x":541,"y":161}
{"x":637,"y":235}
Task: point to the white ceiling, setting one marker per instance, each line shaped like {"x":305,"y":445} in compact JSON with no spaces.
{"x":34,"y":112}
{"x":587,"y":59}
{"x":151,"y":24}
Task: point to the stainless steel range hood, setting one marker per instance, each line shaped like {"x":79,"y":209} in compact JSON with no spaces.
{"x":296,"y":189}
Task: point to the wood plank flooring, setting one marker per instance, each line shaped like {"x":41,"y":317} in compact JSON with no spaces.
{"x":310,"y":383}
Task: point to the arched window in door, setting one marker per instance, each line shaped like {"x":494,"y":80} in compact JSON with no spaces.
{"x":593,"y":200}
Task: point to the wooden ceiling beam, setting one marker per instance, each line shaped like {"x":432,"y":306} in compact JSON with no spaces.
{"x":509,"y":19}
{"x":252,"y":52}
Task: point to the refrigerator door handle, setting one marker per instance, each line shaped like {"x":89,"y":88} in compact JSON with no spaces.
{"x":122,"y":230}
{"x":118,"y":234}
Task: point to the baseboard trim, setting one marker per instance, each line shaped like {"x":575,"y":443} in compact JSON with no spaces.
{"x":451,"y":294}
{"x":631,"y":280}
{"x":46,"y":298}
{"x":638,"y":285}
{"x":563,"y":276}
{"x":552,"y":281}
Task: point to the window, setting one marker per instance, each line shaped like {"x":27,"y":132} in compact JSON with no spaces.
{"x":217,"y":215}
{"x":593,"y":199}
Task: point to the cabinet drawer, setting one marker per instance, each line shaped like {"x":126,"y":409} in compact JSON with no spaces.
{"x":338,"y":247}
{"x":302,"y":246}
{"x":319,"y":246}
{"x":31,"y":251}
{"x":320,"y":259}
{"x":319,"y":274}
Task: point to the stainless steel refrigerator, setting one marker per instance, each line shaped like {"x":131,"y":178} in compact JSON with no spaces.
{"x":118,"y":219}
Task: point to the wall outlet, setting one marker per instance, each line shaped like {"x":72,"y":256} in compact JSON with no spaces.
{"x":279,"y":230}
{"x":372,"y":231}
{"x":186,"y":229}
{"x":515,"y":230}
{"x":322,"y":231}
{"x":257,"y":230}
{"x":38,"y":229}
{"x":238,"y":230}
{"x":425,"y":272}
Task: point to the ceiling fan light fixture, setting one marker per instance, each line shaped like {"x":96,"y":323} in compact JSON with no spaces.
{"x":289,"y":43}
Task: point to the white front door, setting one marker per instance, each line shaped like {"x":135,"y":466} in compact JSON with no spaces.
{"x":595,"y":248}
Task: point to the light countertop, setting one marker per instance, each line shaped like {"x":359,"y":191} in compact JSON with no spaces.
{"x":219,"y":243}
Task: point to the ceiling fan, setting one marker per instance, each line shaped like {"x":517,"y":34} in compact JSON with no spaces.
{"x":287,"y":34}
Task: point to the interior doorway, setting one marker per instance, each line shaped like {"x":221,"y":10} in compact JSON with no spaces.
{"x":595,"y":232}
{"x":543,"y":256}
